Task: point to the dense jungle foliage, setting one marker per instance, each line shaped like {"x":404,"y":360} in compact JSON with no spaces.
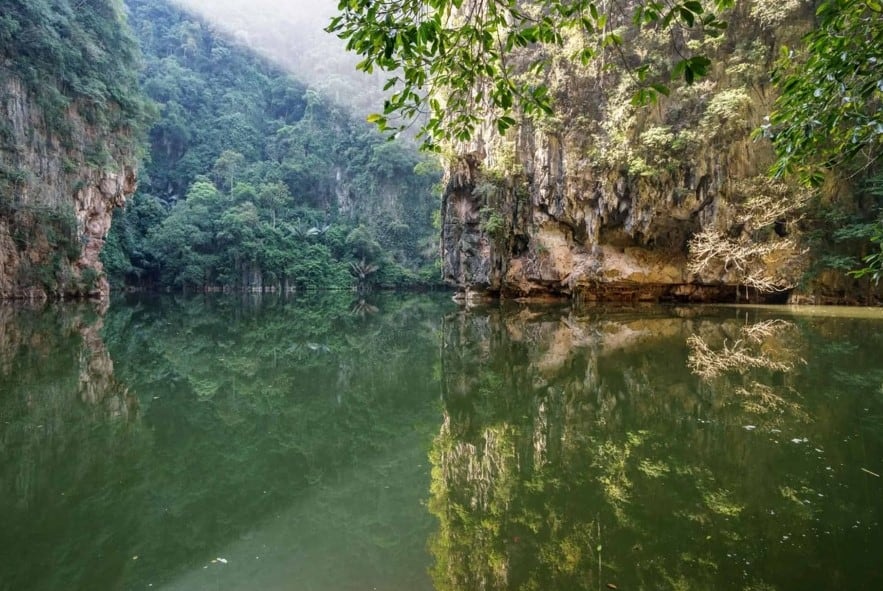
{"x":75,"y":54}
{"x":255,"y":180}
{"x":498,"y":67}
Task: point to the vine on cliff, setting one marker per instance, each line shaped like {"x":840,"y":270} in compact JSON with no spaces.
{"x":457,"y":62}
{"x":79,"y":54}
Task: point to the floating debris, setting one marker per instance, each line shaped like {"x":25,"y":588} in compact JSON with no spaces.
{"x":869,"y":472}
{"x":750,"y":427}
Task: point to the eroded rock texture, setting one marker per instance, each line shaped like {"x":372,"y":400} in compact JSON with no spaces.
{"x":56,"y":197}
{"x":604,"y":201}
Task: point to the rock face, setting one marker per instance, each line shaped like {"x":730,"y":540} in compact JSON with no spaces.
{"x":56,"y":198}
{"x":609,"y":201}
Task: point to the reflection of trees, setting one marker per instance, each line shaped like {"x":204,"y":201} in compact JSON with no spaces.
{"x":261,"y":401}
{"x":243,"y":408}
{"x":579,"y":450}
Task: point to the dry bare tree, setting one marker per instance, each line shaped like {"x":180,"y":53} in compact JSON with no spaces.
{"x":755,"y":247}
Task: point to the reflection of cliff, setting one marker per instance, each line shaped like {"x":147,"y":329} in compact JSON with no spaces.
{"x":97,"y":384}
{"x":578,"y":449}
{"x":257,"y":403}
{"x":245,"y":410}
{"x":61,"y":355}
{"x":68,"y":428}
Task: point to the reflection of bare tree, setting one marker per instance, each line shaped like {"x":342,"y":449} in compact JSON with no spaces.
{"x":739,"y":356}
{"x":759,"y":346}
{"x":744,"y":354}
{"x":758,"y":398}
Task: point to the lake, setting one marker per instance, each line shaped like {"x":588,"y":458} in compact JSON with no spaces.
{"x":403,"y":443}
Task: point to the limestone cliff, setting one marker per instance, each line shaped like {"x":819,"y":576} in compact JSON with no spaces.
{"x":70,"y":111}
{"x":608,"y":200}
{"x":56,"y":212}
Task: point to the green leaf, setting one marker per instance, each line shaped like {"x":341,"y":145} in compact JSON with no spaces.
{"x":661,"y":89}
{"x":504,"y":123}
{"x":700,"y":64}
{"x":687,"y":16}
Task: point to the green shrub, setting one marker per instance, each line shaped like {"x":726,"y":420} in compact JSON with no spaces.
{"x":493,"y":223}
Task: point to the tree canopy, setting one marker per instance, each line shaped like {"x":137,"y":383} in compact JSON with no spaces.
{"x":829,"y":116}
{"x":829,"y":112}
{"x":78,"y":54}
{"x":456,"y":66}
{"x":257,"y":180}
{"x":456,"y":63}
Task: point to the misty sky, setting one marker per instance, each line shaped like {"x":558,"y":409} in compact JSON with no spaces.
{"x":290,"y":32}
{"x":304,"y":11}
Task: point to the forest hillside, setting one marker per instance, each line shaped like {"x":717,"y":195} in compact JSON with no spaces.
{"x":708,"y":151}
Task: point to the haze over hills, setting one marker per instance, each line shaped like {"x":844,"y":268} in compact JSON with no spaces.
{"x":291,"y":33}
{"x":257,"y":178}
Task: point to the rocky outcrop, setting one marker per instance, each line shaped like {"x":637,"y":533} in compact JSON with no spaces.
{"x":60,"y":179}
{"x":610,"y":201}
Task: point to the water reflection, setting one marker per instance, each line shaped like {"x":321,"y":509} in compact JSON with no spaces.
{"x":286,"y":431}
{"x":66,"y":422}
{"x":657,"y":450}
{"x":402,"y":443}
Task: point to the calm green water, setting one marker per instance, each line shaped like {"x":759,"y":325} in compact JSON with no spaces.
{"x":321,"y":444}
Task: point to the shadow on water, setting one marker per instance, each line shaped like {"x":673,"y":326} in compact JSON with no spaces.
{"x":403,"y":443}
